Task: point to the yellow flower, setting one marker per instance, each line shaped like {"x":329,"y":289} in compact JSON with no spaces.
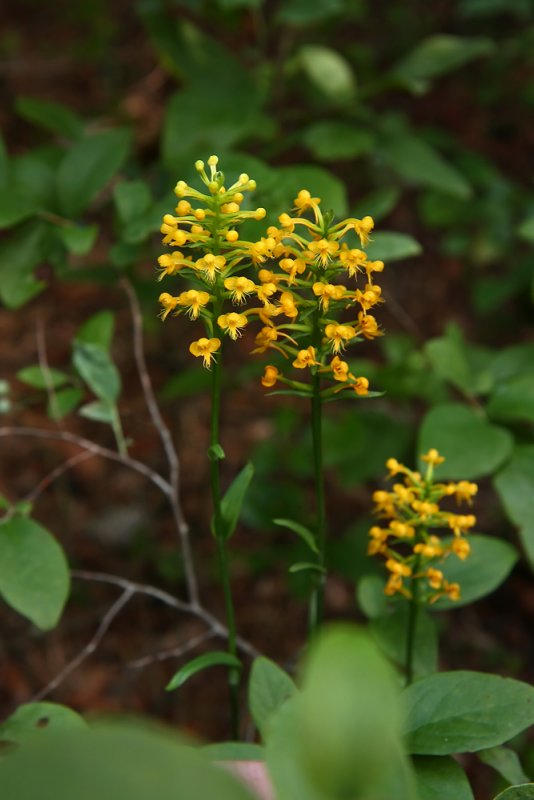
{"x":373,"y":266}
{"x":305,"y":358}
{"x":460,"y":523}
{"x":361,"y":386}
{"x":434,"y":577}
{"x":294,"y":266}
{"x":424,"y":509}
{"x":371,"y":295}
{"x":265,"y":291}
{"x":452,"y":590}
{"x":194,"y":301}
{"x":261,"y":251}
{"x":340,"y":369}
{"x":398,"y":568}
{"x":171,"y":263}
{"x":304,"y":200}
{"x":430,"y":549}
{"x":232,"y":323}
{"x":339,"y":335}
{"x":384,"y":502}
{"x":465,"y":490}
{"x":394,"y":467}
{"x":352,"y":260}
{"x":210,"y":265}
{"x":288,"y":305}
{"x":205,"y":348}
{"x":363,"y":228}
{"x":323,"y":250}
{"x":328,"y":292}
{"x":270,"y":376}
{"x":168,"y":302}
{"x":433,"y":457}
{"x":239,"y":287}
{"x":403,"y":494}
{"x":368,"y":326}
{"x":461,"y":547}
{"x":402,"y":529}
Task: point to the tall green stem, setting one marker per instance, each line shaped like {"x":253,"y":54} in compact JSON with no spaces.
{"x":317,"y":598}
{"x":411,"y":627}
{"x":222,"y":552}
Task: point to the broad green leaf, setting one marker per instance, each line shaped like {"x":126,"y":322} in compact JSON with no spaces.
{"x":63,"y":402}
{"x":290,"y":180}
{"x":36,"y":377}
{"x":390,"y":631}
{"x":449,"y":362}
{"x":233,"y":751}
{"x":19,"y":256}
{"x":304,"y":533}
{"x":94,"y":365}
{"x":78,"y":239}
{"x":97,"y":411}
{"x":34,"y":575}
{"x":506,"y":762}
{"x":438,"y":55}
{"x":328,"y":71}
{"x":515,"y":486}
{"x":348,"y":715}
{"x":471,"y":446}
{"x":53,"y":117}
{"x":488,"y":565}
{"x":378,"y":204}
{"x":14,"y":208}
{"x":33,"y":176}
{"x":441,"y":778}
{"x":132,"y":199}
{"x":512,"y":361}
{"x":391,"y":246}
{"x":526,"y":230}
{"x":214,"y":659}
{"x":232,"y":501}
{"x":335,"y":141}
{"x":97,"y":330}
{"x":88,"y":166}
{"x":37,"y":719}
{"x":458,"y":712}
{"x":418,"y":163}
{"x":523,"y":792}
{"x":115,"y":760}
{"x":371,"y":598}
{"x":269,"y":687}
{"x":513,"y":399}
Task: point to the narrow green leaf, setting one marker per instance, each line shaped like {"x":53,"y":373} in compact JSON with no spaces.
{"x":418,"y":163}
{"x":506,"y":762}
{"x":88,"y":166}
{"x":269,"y":687}
{"x":36,"y":377}
{"x":438,"y":55}
{"x":392,"y":246}
{"x":37,"y":719}
{"x":98,"y":330}
{"x":441,"y":778}
{"x":306,"y":566}
{"x":53,"y":117}
{"x":78,"y":239}
{"x":472,"y":447}
{"x":63,"y":402}
{"x":232,"y":501}
{"x":97,"y":411}
{"x":457,"y":712}
{"x":523,"y":792}
{"x":94,"y":365}
{"x":305,"y":534}
{"x":34,"y":575}
{"x":214,"y":659}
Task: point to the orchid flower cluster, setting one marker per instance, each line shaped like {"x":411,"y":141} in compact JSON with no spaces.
{"x":409,"y":543}
{"x":302,"y":272}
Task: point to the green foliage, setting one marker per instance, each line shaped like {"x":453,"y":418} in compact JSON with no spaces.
{"x":389,"y":631}
{"x":523,"y":792}
{"x":504,"y":761}
{"x":515,"y":485}
{"x":37,"y":720}
{"x":232,"y":501}
{"x":440,"y":777}
{"x":269,"y":688}
{"x":213,"y":659}
{"x":456,"y":712}
{"x":34,"y":576}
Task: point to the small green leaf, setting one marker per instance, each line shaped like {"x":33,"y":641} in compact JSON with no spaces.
{"x":335,"y":141}
{"x":515,"y":486}
{"x":418,"y":163}
{"x":269,"y":687}
{"x":98,"y":330}
{"x":37,"y":378}
{"x":490,"y":562}
{"x":78,"y":239}
{"x":214,"y":659}
{"x":391,"y":246}
{"x":14,"y":208}
{"x":63,"y":402}
{"x":438,"y":55}
{"x":132,"y":199}
{"x":441,"y":778}
{"x":216,"y":452}
{"x":88,"y":166}
{"x":523,"y":792}
{"x":328,"y":71}
{"x":305,"y":534}
{"x":513,"y":399}
{"x":307,"y":566}
{"x":232,"y":501}
{"x":19,"y":256}
{"x":504,"y":761}
{"x":34,"y":575}
{"x":458,"y":712}
{"x":97,"y":411}
{"x":449,"y":362}
{"x":37,"y":719}
{"x":233,"y":751}
{"x":95,"y":366}
{"x":371,"y":598}
{"x":471,"y":446}
{"x":53,"y":117}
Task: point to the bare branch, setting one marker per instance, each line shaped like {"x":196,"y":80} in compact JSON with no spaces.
{"x":56,"y":473}
{"x":89,"y":648}
{"x":174,"y":652}
{"x":91,"y":447}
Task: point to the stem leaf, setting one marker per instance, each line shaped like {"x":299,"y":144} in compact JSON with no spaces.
{"x":301,"y":566}
{"x":232,"y":501}
{"x":305,"y":534}
{"x":216,"y":658}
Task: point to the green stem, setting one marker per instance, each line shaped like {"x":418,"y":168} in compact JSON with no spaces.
{"x":411,"y":627}
{"x":317,"y":598}
{"x":116,"y":426}
{"x":222,"y":552}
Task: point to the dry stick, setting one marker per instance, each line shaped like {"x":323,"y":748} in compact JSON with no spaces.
{"x":174,"y":652}
{"x":89,"y":648}
{"x":166,"y":440}
{"x":56,"y":473}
